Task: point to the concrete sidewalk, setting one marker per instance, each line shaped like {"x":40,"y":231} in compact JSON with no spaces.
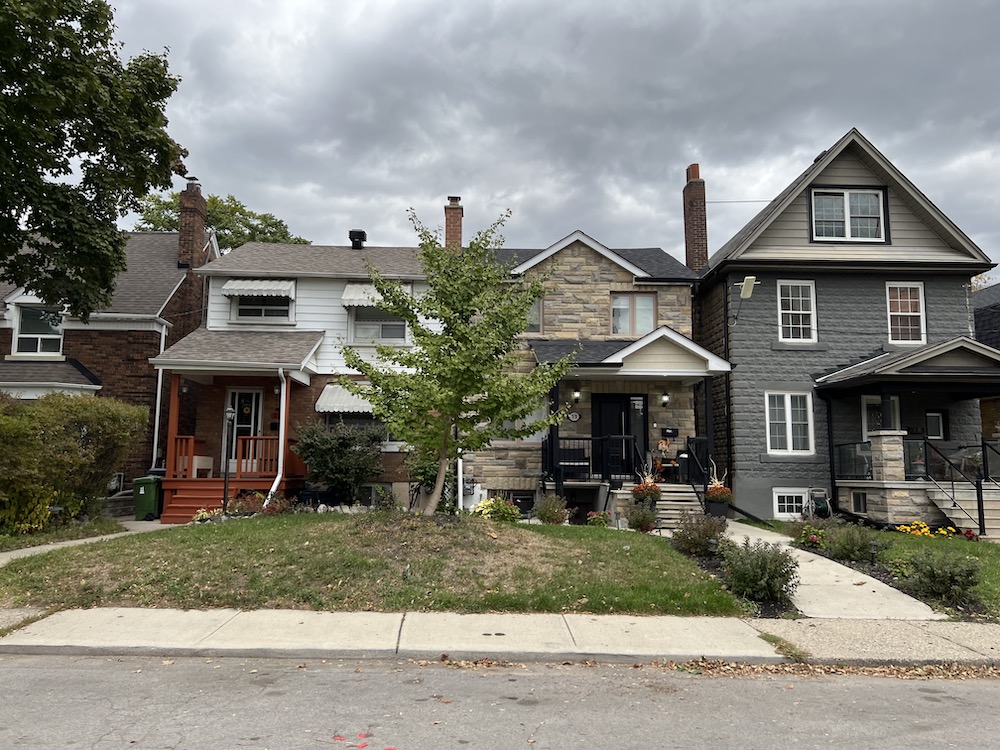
{"x":852,"y":619}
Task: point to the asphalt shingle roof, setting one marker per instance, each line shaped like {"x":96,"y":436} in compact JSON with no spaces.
{"x":268,"y":259}
{"x":587,"y":352}
{"x":245,"y":348}
{"x":986,"y":297}
{"x":67,"y":372}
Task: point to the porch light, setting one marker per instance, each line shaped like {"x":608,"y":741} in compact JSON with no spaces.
{"x":230,"y":418}
{"x":664,"y":399}
{"x":277,"y":390}
{"x":184,"y":389}
{"x":576,"y":397}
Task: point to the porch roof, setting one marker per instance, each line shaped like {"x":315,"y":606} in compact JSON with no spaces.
{"x":240,"y":351}
{"x":958,"y":364}
{"x":660,"y":353}
{"x":54,"y":374}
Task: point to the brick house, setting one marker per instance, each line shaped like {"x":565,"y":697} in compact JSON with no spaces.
{"x":157,"y":301}
{"x":844,"y":309}
{"x":271,"y":351}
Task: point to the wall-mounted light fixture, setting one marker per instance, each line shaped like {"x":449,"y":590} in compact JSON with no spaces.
{"x":277,"y":390}
{"x":665,"y":399}
{"x":184,"y":389}
{"x":576,"y":397}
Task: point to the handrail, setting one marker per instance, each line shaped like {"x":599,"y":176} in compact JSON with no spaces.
{"x":977,"y":482}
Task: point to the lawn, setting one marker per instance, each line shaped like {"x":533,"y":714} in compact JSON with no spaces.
{"x":372,"y":562}
{"x":904,"y":546}
{"x":73,"y":530}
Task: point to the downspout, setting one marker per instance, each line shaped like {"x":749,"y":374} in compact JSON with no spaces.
{"x":282,"y":436}
{"x":727,"y":383}
{"x":159,"y":400}
{"x":830,"y":448}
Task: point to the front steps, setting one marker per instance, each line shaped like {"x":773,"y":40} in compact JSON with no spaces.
{"x":675,"y":501}
{"x":963,"y":513}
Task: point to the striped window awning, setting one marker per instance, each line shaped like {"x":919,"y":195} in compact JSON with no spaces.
{"x":360,"y":295}
{"x":335,"y":399}
{"x":259,"y":288}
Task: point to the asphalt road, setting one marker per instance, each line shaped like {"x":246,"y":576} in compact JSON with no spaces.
{"x":184,"y":704}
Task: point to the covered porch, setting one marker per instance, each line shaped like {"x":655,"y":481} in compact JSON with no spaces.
{"x":229,"y":426}
{"x":906,"y":439}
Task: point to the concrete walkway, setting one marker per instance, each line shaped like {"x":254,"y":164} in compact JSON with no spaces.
{"x":852,"y":619}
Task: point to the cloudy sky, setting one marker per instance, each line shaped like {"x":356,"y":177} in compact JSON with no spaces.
{"x":341,"y":114}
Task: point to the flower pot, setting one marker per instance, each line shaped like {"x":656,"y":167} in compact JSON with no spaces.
{"x":717,"y":508}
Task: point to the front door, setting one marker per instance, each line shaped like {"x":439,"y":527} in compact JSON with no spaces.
{"x":246,"y":424}
{"x":620,"y":420}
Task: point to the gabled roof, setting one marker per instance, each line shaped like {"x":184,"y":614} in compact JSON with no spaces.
{"x":960,"y":359}
{"x":262,"y":259}
{"x":149,"y":280}
{"x":642,"y":262}
{"x":613,"y":354}
{"x":873,"y":159}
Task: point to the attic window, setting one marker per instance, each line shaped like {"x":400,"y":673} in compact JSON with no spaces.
{"x":842,"y":215}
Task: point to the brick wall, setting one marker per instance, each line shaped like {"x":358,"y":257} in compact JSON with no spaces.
{"x":695,"y":220}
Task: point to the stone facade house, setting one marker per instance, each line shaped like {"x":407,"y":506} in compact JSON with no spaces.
{"x":844,"y":309}
{"x":271,"y":352}
{"x":157,"y":301}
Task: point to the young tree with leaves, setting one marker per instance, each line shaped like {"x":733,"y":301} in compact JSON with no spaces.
{"x":233,"y":222}
{"x":465,"y":381}
{"x":82,"y":137}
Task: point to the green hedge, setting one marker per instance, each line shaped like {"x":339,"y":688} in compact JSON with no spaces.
{"x":61,"y":451}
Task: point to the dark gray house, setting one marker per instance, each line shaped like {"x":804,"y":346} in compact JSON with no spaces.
{"x":844,"y":309}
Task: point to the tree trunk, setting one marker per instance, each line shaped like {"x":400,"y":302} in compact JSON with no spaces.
{"x":432,"y":502}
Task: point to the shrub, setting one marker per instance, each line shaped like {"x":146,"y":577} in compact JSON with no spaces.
{"x":919,"y":528}
{"x":278,"y":505}
{"x":697,"y":534}
{"x":599,"y":518}
{"x":853,"y":542}
{"x":342,"y":456}
{"x":943,"y":576}
{"x":384,"y":500}
{"x":641,"y":517}
{"x":760,"y":571}
{"x":810,"y":536}
{"x":497,"y":509}
{"x":551,"y":509}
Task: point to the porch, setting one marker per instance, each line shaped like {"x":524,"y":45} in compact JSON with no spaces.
{"x":897,"y":480}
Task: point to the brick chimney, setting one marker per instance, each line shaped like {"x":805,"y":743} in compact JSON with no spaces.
{"x":193,"y":212}
{"x":453,"y":222}
{"x":695,"y":221}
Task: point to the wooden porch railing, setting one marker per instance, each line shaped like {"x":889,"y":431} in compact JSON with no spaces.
{"x":256,"y":457}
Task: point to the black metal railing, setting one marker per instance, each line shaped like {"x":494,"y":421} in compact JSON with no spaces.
{"x":607,"y":458}
{"x":853,"y":460}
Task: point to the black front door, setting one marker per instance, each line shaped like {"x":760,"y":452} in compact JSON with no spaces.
{"x":620,"y":422}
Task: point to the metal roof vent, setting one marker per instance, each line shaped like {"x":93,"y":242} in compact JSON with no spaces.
{"x":358,"y":238}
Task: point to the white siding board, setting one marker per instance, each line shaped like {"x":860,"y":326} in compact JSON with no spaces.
{"x":663,"y":355}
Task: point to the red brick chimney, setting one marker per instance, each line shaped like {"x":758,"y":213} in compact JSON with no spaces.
{"x":695,"y":221}
{"x":453,"y":222}
{"x":193,"y":212}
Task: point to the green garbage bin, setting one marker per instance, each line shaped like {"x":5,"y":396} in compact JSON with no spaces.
{"x":146,"y":494}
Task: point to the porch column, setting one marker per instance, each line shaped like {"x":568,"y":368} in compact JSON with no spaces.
{"x":887,"y":455}
{"x":553,"y":467}
{"x":172,"y":418}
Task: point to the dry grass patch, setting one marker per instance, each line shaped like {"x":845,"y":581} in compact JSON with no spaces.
{"x":372,"y":562}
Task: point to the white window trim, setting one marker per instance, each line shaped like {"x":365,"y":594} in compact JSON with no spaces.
{"x":867,"y":401}
{"x":775,"y":491}
{"x":16,"y":336}
{"x":812,"y":311}
{"x":846,"y":193}
{"x":234,"y":313}
{"x":788,"y":425}
{"x":939,"y":435}
{"x":923,"y":313}
{"x":631,"y":296}
{"x":352,"y":336}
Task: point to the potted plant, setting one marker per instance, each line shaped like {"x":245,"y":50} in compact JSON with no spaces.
{"x":647,"y":492}
{"x":717,"y":495}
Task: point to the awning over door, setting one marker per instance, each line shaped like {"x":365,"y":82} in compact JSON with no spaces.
{"x":335,"y":399}
{"x":259,"y":288}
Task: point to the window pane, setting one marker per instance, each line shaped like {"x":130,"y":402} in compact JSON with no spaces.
{"x":790,"y":504}
{"x":620,"y":314}
{"x":799,"y":406}
{"x":905,"y":314}
{"x":644,"y":313}
{"x":37,"y":320}
{"x":796,"y":311}
{"x":776,"y":422}
{"x":394,"y":330}
{"x":535,"y":317}
{"x":828,"y":210}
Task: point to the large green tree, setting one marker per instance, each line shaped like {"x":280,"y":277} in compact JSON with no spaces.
{"x":465,"y":381}
{"x":82,"y":137}
{"x":233,"y":222}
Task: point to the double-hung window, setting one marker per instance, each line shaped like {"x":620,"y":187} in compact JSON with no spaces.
{"x":39,"y":330}
{"x":796,"y":311}
{"x":373,"y":324}
{"x":633,"y":314}
{"x":905,"y":304}
{"x":848,"y":215}
{"x":789,"y":423}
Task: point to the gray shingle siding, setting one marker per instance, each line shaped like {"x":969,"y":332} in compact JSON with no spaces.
{"x":852,"y":324}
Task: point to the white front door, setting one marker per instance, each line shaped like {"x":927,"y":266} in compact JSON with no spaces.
{"x":247,"y":423}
